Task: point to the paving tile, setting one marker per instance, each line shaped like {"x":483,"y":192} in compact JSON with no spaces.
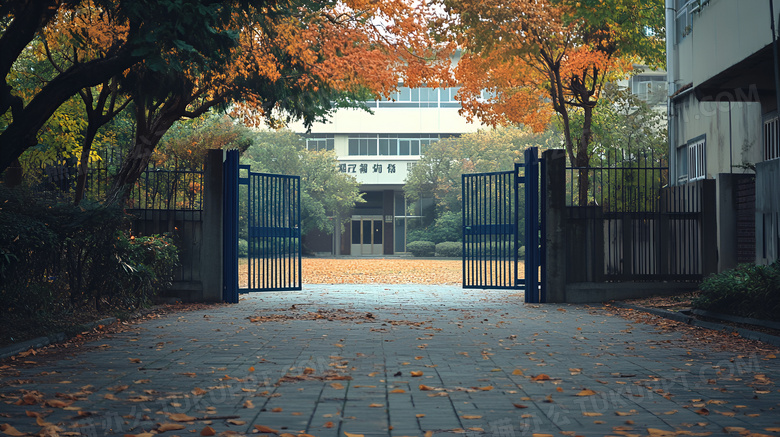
{"x":216,"y":365}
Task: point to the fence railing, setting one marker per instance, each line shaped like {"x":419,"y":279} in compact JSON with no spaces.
{"x":167,"y":198}
{"x":628,"y":225}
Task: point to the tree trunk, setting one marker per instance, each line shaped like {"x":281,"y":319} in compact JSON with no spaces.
{"x":582,"y":158}
{"x":83,"y":168}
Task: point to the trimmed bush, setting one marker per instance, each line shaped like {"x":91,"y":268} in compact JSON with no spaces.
{"x":243,"y":247}
{"x":449,"y":249}
{"x":748,"y":291}
{"x":421,"y":248}
{"x":447,"y":227}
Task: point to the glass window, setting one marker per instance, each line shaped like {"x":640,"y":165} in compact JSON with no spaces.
{"x":403,"y":147}
{"x":367,"y":231}
{"x":355,"y":231}
{"x":404,"y":94}
{"x":353,"y":146}
{"x":377,"y":231}
{"x":415,"y":147}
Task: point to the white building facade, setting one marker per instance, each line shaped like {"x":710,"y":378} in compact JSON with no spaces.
{"x":723,"y":117}
{"x":379,"y":149}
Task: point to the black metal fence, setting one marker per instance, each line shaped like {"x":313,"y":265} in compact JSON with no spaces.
{"x":167,"y":198}
{"x":624,"y":223}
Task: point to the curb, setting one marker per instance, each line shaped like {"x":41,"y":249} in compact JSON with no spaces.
{"x":59,"y":337}
{"x":689,"y":320}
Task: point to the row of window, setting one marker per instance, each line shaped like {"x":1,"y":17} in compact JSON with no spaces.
{"x":691,"y":160}
{"x":376,"y":144}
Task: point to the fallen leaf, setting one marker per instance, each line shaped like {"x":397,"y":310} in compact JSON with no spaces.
{"x":470,"y":416}
{"x":353,"y":435}
{"x":135,"y":360}
{"x":248,"y":404}
{"x":424,"y":387}
{"x":375,"y":405}
{"x":337,"y":385}
{"x":263,"y":428}
{"x":308,"y":371}
{"x":540,"y":377}
{"x":10,"y":430}
{"x":170,"y":427}
{"x":181,"y":417}
{"x":517,"y":372}
{"x":398,"y":390}
{"x":328,"y":425}
{"x":590,"y":414}
{"x":702,"y":411}
{"x":416,"y":373}
{"x":208,"y":431}
{"x":486,"y":388}
{"x":197,"y":391}
{"x":520,"y":406}
{"x":276,"y":410}
{"x":671,"y":412}
{"x":420,"y":415}
{"x":236,"y":422}
{"x":586,"y":392}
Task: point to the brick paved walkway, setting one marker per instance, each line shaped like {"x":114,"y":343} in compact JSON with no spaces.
{"x":340,"y":360}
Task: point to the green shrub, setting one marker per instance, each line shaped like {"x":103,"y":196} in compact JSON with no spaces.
{"x":243,"y":247}
{"x":748,"y":291}
{"x":421,"y":248}
{"x":450,"y":249}
{"x":447,"y":227}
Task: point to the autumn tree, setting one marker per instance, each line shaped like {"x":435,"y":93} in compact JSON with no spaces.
{"x":526,"y":61}
{"x":146,"y":31}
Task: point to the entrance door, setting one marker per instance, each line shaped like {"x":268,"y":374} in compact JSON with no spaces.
{"x":367,"y":233}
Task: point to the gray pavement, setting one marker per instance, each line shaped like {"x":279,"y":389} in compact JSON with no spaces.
{"x":344,"y":360}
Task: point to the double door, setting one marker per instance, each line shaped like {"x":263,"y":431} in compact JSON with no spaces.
{"x":367,"y":233}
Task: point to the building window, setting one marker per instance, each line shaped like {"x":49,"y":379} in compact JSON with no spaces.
{"x":682,"y":163}
{"x":771,"y":138}
{"x":317,"y":142}
{"x":424,"y":97}
{"x":389,"y":144}
{"x":684,"y":18}
{"x":650,"y":89}
{"x":697,"y":168}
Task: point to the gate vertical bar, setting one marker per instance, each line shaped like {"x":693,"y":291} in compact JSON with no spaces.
{"x":230,"y":227}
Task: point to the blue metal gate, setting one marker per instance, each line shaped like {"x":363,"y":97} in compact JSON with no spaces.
{"x":502,"y":227}
{"x":272,"y":215}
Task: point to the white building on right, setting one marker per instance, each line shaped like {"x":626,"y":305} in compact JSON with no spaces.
{"x":723,"y":118}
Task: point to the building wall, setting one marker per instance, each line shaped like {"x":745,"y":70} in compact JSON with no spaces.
{"x":383,"y":176}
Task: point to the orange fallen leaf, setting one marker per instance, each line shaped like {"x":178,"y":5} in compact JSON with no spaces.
{"x":263,"y":428}
{"x":398,"y":390}
{"x":419,"y":415}
{"x":536,"y":434}
{"x":624,"y":413}
{"x":559,"y":389}
{"x":416,"y":373}
{"x":135,"y":360}
{"x":248,"y":404}
{"x":348,"y":434}
{"x":251,"y":368}
{"x":276,"y":410}
{"x":541,"y":377}
{"x":236,"y":422}
{"x":197,"y":391}
{"x":702,"y":411}
{"x":181,"y":417}
{"x":56,"y":403}
{"x":308,"y":371}
{"x":424,"y":387}
{"x":328,"y":425}
{"x":337,"y":385}
{"x":208,"y":431}
{"x":486,"y":388}
{"x":470,"y":416}
{"x":520,"y":406}
{"x":517,"y":372}
{"x":10,"y":430}
{"x":591,"y":414}
{"x":586,"y":392}
{"x":428,"y":434}
{"x":375,"y":405}
{"x":170,"y":427}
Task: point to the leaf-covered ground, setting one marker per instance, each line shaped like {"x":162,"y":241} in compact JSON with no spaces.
{"x":376,"y":271}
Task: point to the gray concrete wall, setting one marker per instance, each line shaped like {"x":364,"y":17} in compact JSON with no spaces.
{"x":726,"y":198}
{"x":211,"y":247}
{"x":554,"y":200}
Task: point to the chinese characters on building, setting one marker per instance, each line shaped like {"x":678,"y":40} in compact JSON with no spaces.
{"x":364,"y":168}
